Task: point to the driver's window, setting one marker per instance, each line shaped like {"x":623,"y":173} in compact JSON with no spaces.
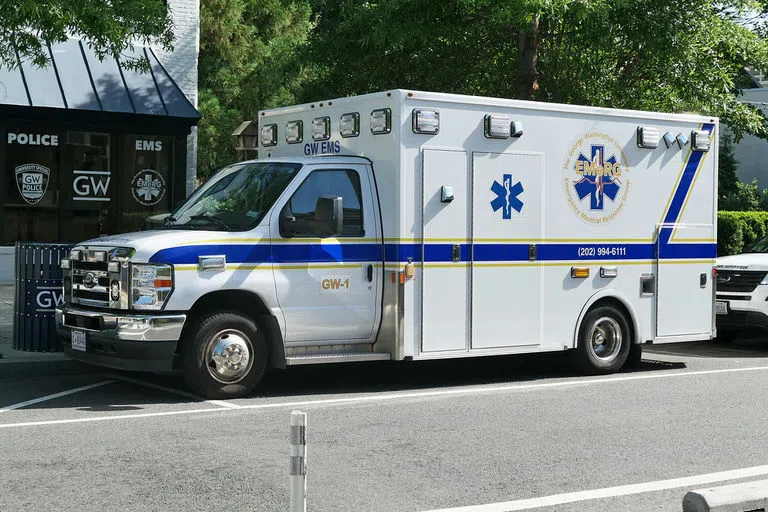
{"x":344,"y":183}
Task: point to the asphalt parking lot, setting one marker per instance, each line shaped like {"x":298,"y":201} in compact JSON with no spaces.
{"x":418,"y":436}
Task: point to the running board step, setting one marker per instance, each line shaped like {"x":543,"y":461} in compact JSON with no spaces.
{"x":337,"y":357}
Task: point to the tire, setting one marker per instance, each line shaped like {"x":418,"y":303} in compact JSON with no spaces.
{"x":604,"y":341}
{"x":634,"y":357}
{"x":213,"y":361}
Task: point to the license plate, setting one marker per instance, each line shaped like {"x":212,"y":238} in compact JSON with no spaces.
{"x":78,"y":340}
{"x":721,"y":308}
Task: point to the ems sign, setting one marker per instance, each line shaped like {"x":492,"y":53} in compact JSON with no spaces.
{"x":32,"y":181}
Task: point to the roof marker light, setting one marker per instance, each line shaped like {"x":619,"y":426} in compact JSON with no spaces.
{"x":647,"y":137}
{"x":425,"y":121}
{"x":269,"y":135}
{"x":294,"y":132}
{"x":700,"y":140}
{"x":381,"y":121}
{"x":497,"y":127}
{"x":321,"y":128}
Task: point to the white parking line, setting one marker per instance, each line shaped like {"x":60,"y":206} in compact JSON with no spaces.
{"x":192,"y":396}
{"x":53,"y":396}
{"x":400,"y":395}
{"x":612,"y":492}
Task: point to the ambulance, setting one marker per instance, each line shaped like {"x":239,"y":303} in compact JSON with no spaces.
{"x":407,"y":225}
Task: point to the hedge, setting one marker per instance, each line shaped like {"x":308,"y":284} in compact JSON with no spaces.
{"x":738,"y":230}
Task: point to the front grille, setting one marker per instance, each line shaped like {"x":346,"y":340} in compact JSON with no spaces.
{"x":739,"y":280}
{"x":90,"y":282}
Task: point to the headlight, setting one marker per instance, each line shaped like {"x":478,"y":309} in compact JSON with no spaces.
{"x":765,"y":280}
{"x":150,"y":285}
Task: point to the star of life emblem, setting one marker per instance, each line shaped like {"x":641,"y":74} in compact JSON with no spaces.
{"x":148,"y":187}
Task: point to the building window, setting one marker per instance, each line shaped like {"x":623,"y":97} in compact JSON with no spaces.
{"x":32,"y":186}
{"x":146,"y":190}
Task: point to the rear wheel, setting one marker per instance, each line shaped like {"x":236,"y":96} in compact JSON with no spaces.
{"x":226,"y":355}
{"x":604,"y":341}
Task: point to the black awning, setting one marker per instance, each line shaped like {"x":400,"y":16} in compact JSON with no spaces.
{"x":76,"y":81}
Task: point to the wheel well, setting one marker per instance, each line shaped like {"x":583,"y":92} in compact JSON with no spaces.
{"x":620,"y":306}
{"x":248,"y":304}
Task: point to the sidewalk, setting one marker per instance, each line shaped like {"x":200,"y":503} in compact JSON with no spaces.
{"x":15,"y":362}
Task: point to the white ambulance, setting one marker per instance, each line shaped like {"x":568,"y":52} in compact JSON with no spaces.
{"x":409,"y":225}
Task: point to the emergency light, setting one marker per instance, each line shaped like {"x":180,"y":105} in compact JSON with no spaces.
{"x":425,"y":121}
{"x":321,"y":128}
{"x":269,"y":135}
{"x":669,"y":139}
{"x":497,"y":127}
{"x":682,"y":140}
{"x":294,"y":132}
{"x":647,"y":137}
{"x":350,"y":125}
{"x":381,"y":121}
{"x":700,"y":140}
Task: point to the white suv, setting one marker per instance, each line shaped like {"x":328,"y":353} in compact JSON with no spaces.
{"x":742,"y":291}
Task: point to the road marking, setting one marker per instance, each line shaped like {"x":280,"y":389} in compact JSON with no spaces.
{"x":396,"y":396}
{"x":192,"y":396}
{"x":54,"y":396}
{"x":612,"y":492}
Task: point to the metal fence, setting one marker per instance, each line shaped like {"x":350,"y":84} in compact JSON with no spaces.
{"x":38,"y":292}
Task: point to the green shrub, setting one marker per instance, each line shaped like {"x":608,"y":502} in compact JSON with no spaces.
{"x":738,"y":230}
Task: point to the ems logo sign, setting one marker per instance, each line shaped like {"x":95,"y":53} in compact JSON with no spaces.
{"x":32,"y":180}
{"x":148,"y":187}
{"x":596,"y":178}
{"x":506,"y":196}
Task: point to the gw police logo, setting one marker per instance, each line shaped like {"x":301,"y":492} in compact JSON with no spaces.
{"x":596,"y":178}
{"x":32,"y":180}
{"x":506,"y":196}
{"x":148,"y":187}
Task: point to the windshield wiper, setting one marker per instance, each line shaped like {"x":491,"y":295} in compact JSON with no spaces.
{"x":211,"y":218}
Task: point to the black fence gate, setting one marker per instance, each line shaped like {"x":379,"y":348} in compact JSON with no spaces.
{"x":38,"y":292}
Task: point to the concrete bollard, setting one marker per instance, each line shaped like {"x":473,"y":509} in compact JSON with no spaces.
{"x":744,"y":497}
{"x":298,"y":461}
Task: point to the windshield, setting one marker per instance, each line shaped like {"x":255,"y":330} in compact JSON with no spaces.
{"x":237,"y":199}
{"x":759,"y":246}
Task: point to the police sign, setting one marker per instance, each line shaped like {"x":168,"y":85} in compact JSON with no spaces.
{"x":32,"y":181}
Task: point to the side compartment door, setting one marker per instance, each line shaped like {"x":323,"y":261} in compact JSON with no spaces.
{"x":685,"y":290}
{"x":507,"y":222}
{"x":328,"y":288}
{"x":445,"y":250}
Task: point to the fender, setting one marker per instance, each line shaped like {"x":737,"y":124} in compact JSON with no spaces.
{"x":608,"y":293}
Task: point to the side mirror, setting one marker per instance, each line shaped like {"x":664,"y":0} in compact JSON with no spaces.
{"x":329,"y":217}
{"x":287,"y":223}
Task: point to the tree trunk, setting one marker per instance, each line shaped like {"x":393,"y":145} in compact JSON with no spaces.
{"x":528,"y":51}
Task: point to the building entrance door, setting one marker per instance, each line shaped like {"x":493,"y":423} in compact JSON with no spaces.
{"x":88,"y":191}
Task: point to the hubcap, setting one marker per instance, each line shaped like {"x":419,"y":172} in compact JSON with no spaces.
{"x":606,"y":339}
{"x":228,"y":356}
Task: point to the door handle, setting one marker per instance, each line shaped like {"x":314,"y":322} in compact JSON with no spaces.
{"x":370,"y":273}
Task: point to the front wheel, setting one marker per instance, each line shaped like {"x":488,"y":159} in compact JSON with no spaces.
{"x":604,"y":341}
{"x":226,"y":355}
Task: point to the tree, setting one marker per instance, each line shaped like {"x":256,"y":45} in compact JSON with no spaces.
{"x":248,"y":61}
{"x":108,"y":26}
{"x":686,"y":56}
{"x":727,"y":181}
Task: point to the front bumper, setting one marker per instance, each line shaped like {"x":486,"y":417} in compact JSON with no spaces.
{"x":746,"y":311}
{"x":122,"y":341}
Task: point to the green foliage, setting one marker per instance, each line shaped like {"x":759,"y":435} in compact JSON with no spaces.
{"x":640,"y":54}
{"x":727,"y":182}
{"x":736,"y":231}
{"x":109,"y":26}
{"x":248,"y":61}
